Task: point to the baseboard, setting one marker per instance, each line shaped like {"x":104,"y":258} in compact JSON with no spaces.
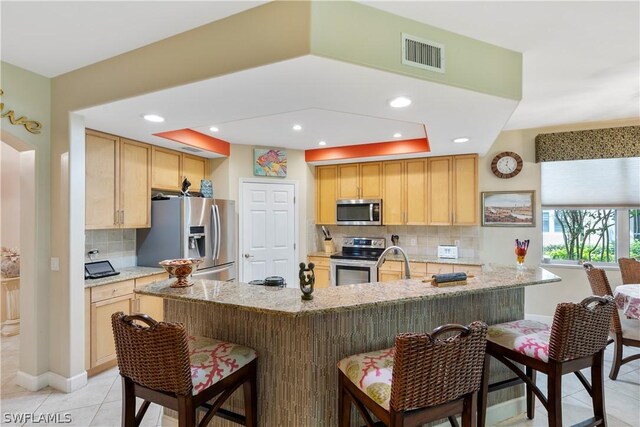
{"x":35,"y":383}
{"x":67,"y":385}
{"x":539,"y":318}
{"x":32,"y":382}
{"x":499,"y":412}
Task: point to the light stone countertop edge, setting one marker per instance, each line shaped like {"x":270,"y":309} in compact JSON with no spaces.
{"x":126,"y":273}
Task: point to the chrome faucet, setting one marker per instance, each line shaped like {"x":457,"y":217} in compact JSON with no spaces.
{"x":407,"y":273}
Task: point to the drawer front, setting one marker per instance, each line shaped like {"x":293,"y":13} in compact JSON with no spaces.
{"x":141,"y":281}
{"x":320,"y":261}
{"x":112,"y":290}
{"x":435,"y":268}
{"x":418,"y":269}
{"x":469,"y":269}
{"x":391,"y":266}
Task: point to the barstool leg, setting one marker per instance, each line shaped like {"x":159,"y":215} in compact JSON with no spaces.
{"x":617,"y":357}
{"x":251,"y":397}
{"x":597,"y":388}
{"x":186,"y":412}
{"x":128,"y":403}
{"x":554,"y":393}
{"x":484,"y":391}
{"x":469,"y":412}
{"x":531,"y":398}
{"x":344,"y":403}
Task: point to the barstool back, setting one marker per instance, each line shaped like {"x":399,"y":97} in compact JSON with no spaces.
{"x":600,"y":286}
{"x":155,"y":356}
{"x":630,"y":270}
{"x":580,"y":329}
{"x":429,"y":371}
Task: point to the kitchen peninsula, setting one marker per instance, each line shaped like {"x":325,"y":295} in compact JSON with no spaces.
{"x":300,"y":342}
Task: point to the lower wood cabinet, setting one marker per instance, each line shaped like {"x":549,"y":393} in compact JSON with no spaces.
{"x":390,"y":271}
{"x":394,"y":270}
{"x":322,"y":271}
{"x":100,"y":303}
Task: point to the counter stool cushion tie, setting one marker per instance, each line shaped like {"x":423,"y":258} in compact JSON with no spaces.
{"x":623,"y":331}
{"x":575,"y":340}
{"x":160,"y":363}
{"x":422,"y":378}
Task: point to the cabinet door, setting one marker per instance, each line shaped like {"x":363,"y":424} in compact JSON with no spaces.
{"x":152,"y":306}
{"x":371,"y":180}
{"x":389,"y":276}
{"x":416,"y":191}
{"x":439,"y":206}
{"x":392,"y":199}
{"x":348,"y":182}
{"x":418,"y":270}
{"x":101,"y":187}
{"x":322,"y":271}
{"x":194,"y":168}
{"x":465,"y":190}
{"x":103,"y":348}
{"x":87,"y":329}
{"x":135,"y":184}
{"x":326,"y":194}
{"x":166,"y":169}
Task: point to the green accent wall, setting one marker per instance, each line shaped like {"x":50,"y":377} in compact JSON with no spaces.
{"x":362,"y":35}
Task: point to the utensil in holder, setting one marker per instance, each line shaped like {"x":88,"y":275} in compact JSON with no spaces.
{"x":329,"y":248}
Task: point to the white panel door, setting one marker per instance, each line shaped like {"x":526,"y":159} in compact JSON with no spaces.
{"x":268,"y":231}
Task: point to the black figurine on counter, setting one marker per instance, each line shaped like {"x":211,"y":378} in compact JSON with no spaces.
{"x":185,"y":187}
{"x":307,"y":280}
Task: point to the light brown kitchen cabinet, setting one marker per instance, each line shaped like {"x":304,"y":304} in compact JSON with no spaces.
{"x":390,"y":271}
{"x":147,"y":304}
{"x":360,"y":181}
{"x":166,"y":169}
{"x":322,"y":271}
{"x":326,"y":194}
{"x":194,"y":168}
{"x":438,"y":268}
{"x":467,"y":268}
{"x":103,"y":350}
{"x":439,"y":190}
{"x":117,"y":182}
{"x":404,"y":192}
{"x":465,"y":190}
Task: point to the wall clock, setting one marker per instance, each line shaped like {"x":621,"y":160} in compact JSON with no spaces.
{"x":506,"y":164}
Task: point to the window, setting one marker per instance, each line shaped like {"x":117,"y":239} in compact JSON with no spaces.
{"x":545,"y":222}
{"x":634,"y":233}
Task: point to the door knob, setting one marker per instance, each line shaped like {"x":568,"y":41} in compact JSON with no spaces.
{"x":248,"y":256}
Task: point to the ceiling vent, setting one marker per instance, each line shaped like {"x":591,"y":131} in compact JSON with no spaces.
{"x":191,"y":149}
{"x":420,"y":53}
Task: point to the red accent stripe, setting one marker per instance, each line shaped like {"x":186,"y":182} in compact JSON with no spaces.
{"x":197,"y":139}
{"x":388,"y":148}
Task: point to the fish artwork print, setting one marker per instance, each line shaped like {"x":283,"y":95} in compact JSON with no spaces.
{"x":270,"y":162}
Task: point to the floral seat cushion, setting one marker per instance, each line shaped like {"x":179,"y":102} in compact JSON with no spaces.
{"x":371,"y":373}
{"x":213,"y":360}
{"x":528,"y":337}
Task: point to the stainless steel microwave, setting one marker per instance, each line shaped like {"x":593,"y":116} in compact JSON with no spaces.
{"x":359,"y":212}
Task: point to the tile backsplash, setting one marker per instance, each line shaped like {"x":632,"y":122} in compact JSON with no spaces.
{"x":117,"y":246}
{"x":415,"y":239}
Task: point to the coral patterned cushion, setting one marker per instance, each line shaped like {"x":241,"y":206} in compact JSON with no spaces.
{"x":371,"y":372}
{"x":528,"y":337}
{"x":213,"y":360}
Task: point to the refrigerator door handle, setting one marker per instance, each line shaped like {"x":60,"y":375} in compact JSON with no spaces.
{"x":219,"y":244}
{"x":214,"y":226}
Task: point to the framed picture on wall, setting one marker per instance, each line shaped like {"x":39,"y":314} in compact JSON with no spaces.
{"x":269,"y":162}
{"x":508,"y":208}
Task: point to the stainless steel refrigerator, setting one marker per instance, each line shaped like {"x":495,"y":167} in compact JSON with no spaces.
{"x":192,"y":227}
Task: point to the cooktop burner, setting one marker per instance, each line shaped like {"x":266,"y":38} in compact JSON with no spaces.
{"x":362,"y":248}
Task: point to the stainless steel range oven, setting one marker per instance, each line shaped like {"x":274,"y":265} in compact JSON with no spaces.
{"x":357,"y":261}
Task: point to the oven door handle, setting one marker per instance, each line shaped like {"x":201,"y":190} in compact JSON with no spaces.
{"x":353,"y":262}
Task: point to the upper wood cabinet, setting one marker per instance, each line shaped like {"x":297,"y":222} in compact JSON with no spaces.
{"x":167,"y":169}
{"x":404,"y":192}
{"x":360,"y":181}
{"x":117,"y":182}
{"x":453,"y":190}
{"x":170,"y":168}
{"x":326,"y":194}
{"x":194,"y":168}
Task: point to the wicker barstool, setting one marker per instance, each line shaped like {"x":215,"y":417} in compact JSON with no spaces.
{"x":630,"y":270}
{"x":422,"y":378}
{"x":623,"y":331}
{"x":576,"y":340}
{"x":160,"y":363}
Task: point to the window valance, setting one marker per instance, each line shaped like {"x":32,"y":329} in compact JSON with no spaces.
{"x":608,"y":143}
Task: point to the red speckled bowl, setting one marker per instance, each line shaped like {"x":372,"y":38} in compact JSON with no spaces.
{"x":181,"y":269}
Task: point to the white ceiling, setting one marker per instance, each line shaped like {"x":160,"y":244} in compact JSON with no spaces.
{"x":581,"y":63}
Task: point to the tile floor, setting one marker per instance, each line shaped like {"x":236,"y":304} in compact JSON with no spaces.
{"x":98,"y":404}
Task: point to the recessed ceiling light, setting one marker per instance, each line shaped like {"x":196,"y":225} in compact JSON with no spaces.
{"x":397,"y":135}
{"x":297,"y":127}
{"x":460,"y":140}
{"x":153,"y":118}
{"x":214,"y":129}
{"x":400,"y":102}
{"x":322,"y":143}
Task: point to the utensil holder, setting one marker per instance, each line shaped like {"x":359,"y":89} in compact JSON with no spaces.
{"x":328,"y":247}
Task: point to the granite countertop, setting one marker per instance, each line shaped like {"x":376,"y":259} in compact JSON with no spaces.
{"x":287,"y":301}
{"x":127,"y":273}
{"x":434,"y":259}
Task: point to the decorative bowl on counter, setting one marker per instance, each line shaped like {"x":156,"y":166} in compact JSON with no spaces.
{"x":181,"y":269}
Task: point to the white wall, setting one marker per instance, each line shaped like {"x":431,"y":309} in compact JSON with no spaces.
{"x":497,"y":243}
{"x":10,"y":197}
